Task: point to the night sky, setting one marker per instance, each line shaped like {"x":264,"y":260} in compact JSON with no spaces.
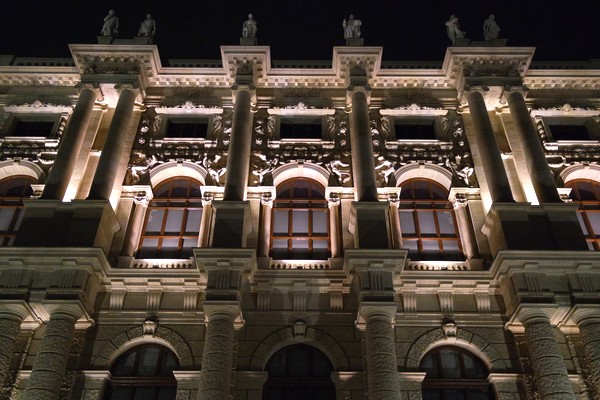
{"x":304,"y":29}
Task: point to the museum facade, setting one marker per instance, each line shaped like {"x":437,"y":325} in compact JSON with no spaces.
{"x":253,"y":229}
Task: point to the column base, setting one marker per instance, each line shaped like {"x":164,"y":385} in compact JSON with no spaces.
{"x":230,"y":224}
{"x":521,"y":226}
{"x":81,"y":223}
{"x":370,"y":224}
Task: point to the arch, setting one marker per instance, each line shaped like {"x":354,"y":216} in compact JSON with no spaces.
{"x":470,"y":341}
{"x":133,"y":337}
{"x":424,"y":171}
{"x":20,"y":167}
{"x":300,"y":170}
{"x":580,"y":171}
{"x":173,"y":169}
{"x":285,"y":337}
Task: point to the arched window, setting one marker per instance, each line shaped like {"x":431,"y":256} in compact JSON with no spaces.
{"x":299,"y":372}
{"x":144,"y":372}
{"x":454,"y":374}
{"x":587,"y":193}
{"x":427,"y":221}
{"x":172,"y":222}
{"x":300,"y":221}
{"x":12,"y":192}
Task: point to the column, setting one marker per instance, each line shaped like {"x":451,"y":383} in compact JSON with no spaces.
{"x":70,"y":145}
{"x":382,"y":369}
{"x":487,"y":145}
{"x":588,"y":321}
{"x":266,"y":202}
{"x":51,"y":360}
{"x":238,"y":158}
{"x":334,"y":222}
{"x":215,"y":377}
{"x":467,"y":238}
{"x":535,"y":158}
{"x":204,"y":233}
{"x":11,"y":317}
{"x":395,"y":217}
{"x":112,"y":151}
{"x":363,"y":162}
{"x":547,"y":362}
{"x":140,"y":201}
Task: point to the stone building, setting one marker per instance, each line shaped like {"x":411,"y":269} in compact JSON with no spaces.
{"x":252,"y":229}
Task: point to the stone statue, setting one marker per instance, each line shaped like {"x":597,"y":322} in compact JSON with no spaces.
{"x":111,"y":25}
{"x":491,"y":30}
{"x":147,"y":27}
{"x":351,"y":27}
{"x":250,"y":27}
{"x":453,"y":29}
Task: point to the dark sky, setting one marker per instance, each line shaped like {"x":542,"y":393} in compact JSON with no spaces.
{"x":304,"y":29}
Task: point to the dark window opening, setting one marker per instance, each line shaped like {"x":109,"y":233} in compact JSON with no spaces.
{"x":418,"y":130}
{"x":145,"y":372}
{"x":299,"y":372}
{"x":587,"y":194}
{"x":300,"y":128}
{"x":24,"y":128}
{"x":569,"y":132}
{"x":453,"y":373}
{"x":187,"y":129}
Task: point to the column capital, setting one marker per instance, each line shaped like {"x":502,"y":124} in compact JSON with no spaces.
{"x":373,"y":310}
{"x":266,"y":199}
{"x":207,"y":199}
{"x":228,"y":310}
{"x":527,"y":314}
{"x":468,"y":89}
{"x":47,"y":310}
{"x":15,"y":309}
{"x":394,"y":200}
{"x":238,"y":88}
{"x":333,"y":200}
{"x":583,"y":314}
{"x":352,"y":89}
{"x":89,"y":86}
{"x":512,"y":89}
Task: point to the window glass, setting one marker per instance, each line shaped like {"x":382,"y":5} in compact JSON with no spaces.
{"x":300,"y":221}
{"x":187,"y":129}
{"x":300,"y":128}
{"x":25,"y":128}
{"x":586,"y":193}
{"x":415,"y":130}
{"x":12,"y":192}
{"x":569,"y":132}
{"x":172,"y":224}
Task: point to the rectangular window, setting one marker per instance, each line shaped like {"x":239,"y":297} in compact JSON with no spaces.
{"x":26,"y":128}
{"x":415,"y":129}
{"x":187,"y":128}
{"x":569,"y":132}
{"x":301,"y":128}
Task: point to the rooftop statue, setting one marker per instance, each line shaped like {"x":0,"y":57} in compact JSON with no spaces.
{"x":147,"y":27}
{"x":351,"y":27}
{"x":453,"y":29}
{"x":491,"y":30}
{"x":250,"y":27}
{"x":111,"y":25}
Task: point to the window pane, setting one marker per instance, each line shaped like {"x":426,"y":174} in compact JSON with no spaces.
{"x":299,"y":361}
{"x":124,"y":367}
{"x":148,"y":361}
{"x":585,"y":190}
{"x":170,"y":248}
{"x":155,"y":220}
{"x":472,"y":369}
{"x":300,"y":222}
{"x":446,"y":222}
{"x":594,"y":219}
{"x":280,"y":222}
{"x":426,"y":223}
{"x":582,"y":224}
{"x":300,"y":244}
{"x":320,"y":222}
{"x":407,"y":223}
{"x":413,"y":248}
{"x":174,"y":219}
{"x":193,"y":221}
{"x":450,"y":364}
{"x":451,"y":249}
{"x":6,"y":216}
{"x":144,"y":393}
{"x":188,"y":245}
{"x":149,"y":248}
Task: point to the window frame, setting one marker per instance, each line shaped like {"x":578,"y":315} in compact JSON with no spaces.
{"x":592,"y":237}
{"x":185,"y":204}
{"x":15,"y":202}
{"x":287,"y":204}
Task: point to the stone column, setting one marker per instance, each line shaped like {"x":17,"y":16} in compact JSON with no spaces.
{"x":204,"y":233}
{"x":50,"y":362}
{"x":137,"y":223}
{"x":382,"y":369}
{"x":238,"y":158}
{"x":485,"y":140}
{"x":547,"y":362}
{"x":395,"y":217}
{"x":363,"y":161}
{"x":70,"y":145}
{"x":334,"y":222}
{"x":535,"y":158}
{"x":11,"y":317}
{"x":112,"y":151}
{"x":215,"y":378}
{"x":588,"y":321}
{"x":266,"y":202}
{"x":466,"y":236}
